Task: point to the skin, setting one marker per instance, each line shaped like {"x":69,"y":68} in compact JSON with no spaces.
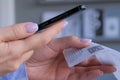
{"x":48,"y":63}
{"x":43,"y":54}
{"x":17,"y":45}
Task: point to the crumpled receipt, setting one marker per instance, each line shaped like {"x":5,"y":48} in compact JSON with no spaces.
{"x":104,"y":54}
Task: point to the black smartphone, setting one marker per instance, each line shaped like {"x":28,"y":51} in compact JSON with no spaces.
{"x":61,"y":16}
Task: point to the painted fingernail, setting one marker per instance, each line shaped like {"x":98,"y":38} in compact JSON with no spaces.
{"x":86,"y":40}
{"x":31,"y":28}
{"x":65,"y":24}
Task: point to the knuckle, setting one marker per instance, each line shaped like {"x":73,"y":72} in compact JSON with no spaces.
{"x":16,"y":31}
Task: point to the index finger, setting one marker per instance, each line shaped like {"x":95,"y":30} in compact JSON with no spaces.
{"x":90,"y":62}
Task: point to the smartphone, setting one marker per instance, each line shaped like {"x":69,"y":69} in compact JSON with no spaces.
{"x":61,"y":16}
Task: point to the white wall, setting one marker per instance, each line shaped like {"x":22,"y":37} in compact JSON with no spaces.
{"x":7,"y":12}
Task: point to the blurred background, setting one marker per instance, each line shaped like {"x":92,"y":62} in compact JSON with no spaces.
{"x":100,"y":22}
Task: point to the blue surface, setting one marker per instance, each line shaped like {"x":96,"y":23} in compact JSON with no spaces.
{"x":20,"y":74}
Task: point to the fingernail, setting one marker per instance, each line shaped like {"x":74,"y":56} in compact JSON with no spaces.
{"x":31,"y":28}
{"x":65,"y":24}
{"x":86,"y":40}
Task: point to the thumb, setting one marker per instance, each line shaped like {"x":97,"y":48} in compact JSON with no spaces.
{"x":18,"y":31}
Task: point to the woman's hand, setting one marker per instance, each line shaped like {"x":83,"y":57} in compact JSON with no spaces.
{"x":17,"y":43}
{"x":48,"y":63}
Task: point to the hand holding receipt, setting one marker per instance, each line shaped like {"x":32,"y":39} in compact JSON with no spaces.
{"x":104,"y":54}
